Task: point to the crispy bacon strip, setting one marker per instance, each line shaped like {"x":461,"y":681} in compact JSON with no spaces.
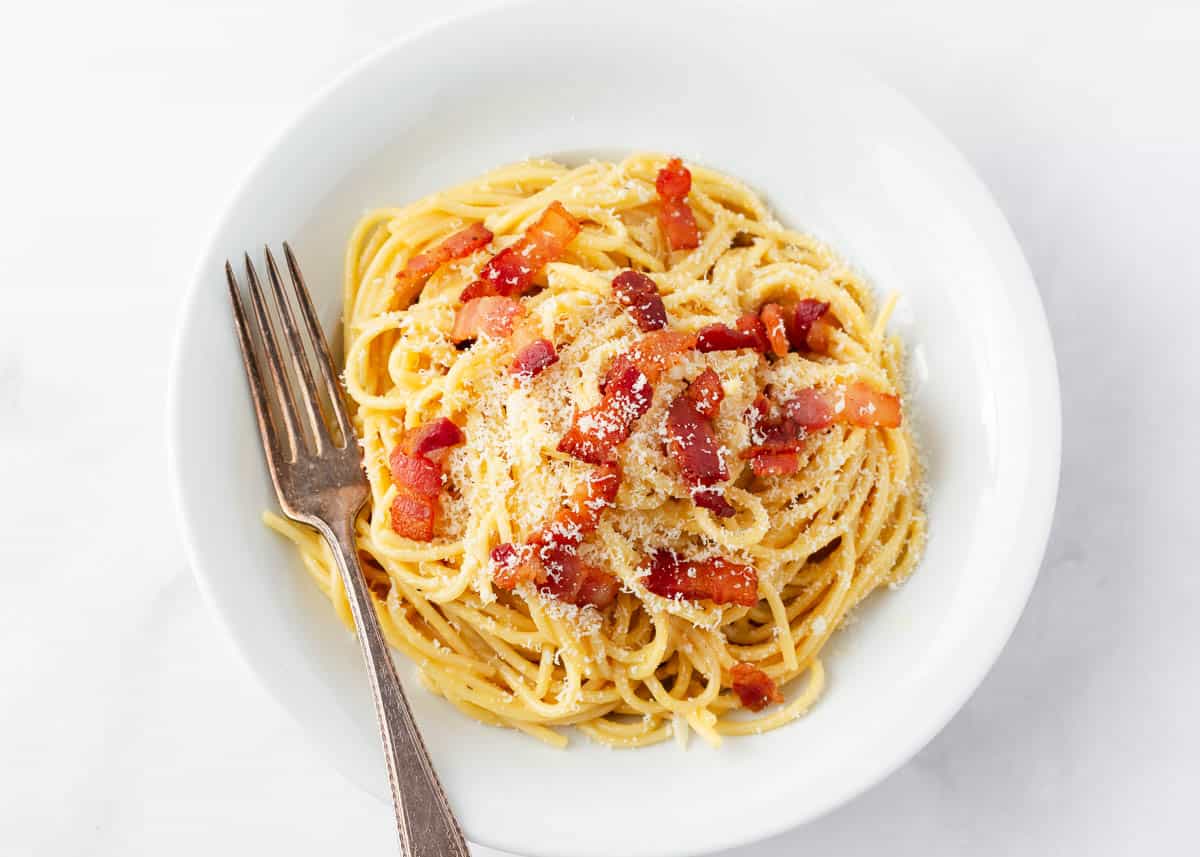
{"x":754,"y":687}
{"x":628,"y":390}
{"x":758,"y":413}
{"x":417,"y":475}
{"x":775,"y":442}
{"x":595,"y":433}
{"x":511,"y":271}
{"x":814,"y":409}
{"x":776,"y":436}
{"x":581,"y":513}
{"x":717,"y":579}
{"x":747,"y":332}
{"x":675,"y":216}
{"x":458,"y":246}
{"x":598,"y":588}
{"x":771,"y":434}
{"x":431,"y":439}
{"x":774,"y":463}
{"x":502,"y":317}
{"x":569,"y":579}
{"x":653,"y":354}
{"x":870,"y":408}
{"x":706,"y":391}
{"x":550,"y":557}
{"x":413,"y":517}
{"x":492,"y":315}
{"x":854,"y":404}
{"x":820,"y":335}
{"x":772,"y":316}
{"x":638,"y":294}
{"x":799,"y":320}
{"x":531,"y":359}
{"x":714,"y":500}
{"x":509,"y":566}
{"x":692,"y":443}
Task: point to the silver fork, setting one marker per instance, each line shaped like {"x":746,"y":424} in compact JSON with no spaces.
{"x":321,"y":483}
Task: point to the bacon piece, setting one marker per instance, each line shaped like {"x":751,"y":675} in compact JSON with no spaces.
{"x":653,"y":354}
{"x":717,"y":579}
{"x":855,"y":404}
{"x":550,"y":557}
{"x":748,"y":332}
{"x":418,"y":483}
{"x":675,"y":216}
{"x":533,"y":358}
{"x":721,"y":337}
{"x":774,"y":463}
{"x":772,"y":318}
{"x":500,"y":317}
{"x":674,"y":180}
{"x":572,"y":581}
{"x":511,"y":271}
{"x":595,"y":433}
{"x":706,"y":391}
{"x":814,"y":409}
{"x":758,"y":412}
{"x":491,"y":315}
{"x":780,"y":436}
{"x":775,"y":442}
{"x":799,"y":320}
{"x":692,"y":443}
{"x":430,"y":438}
{"x":413,"y":517}
{"x":751,"y":325}
{"x":513,"y":565}
{"x":476,"y":290}
{"x":504,"y":557}
{"x":754,"y":687}
{"x":467,"y":241}
{"x":599,"y":588}
{"x":820,"y":335}
{"x":418,"y":476}
{"x":870,"y":408}
{"x":773,"y":435}
{"x":714,"y":500}
{"x":810,"y":325}
{"x":628,"y":389}
{"x":415,"y":474}
{"x":638,"y":294}
{"x":581,"y":513}
{"x":458,"y":246}
{"x":561,"y":574}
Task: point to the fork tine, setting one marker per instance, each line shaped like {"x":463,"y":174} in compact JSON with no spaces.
{"x":258,"y":393}
{"x":308,"y":388}
{"x":283,"y":386}
{"x":317,"y":337}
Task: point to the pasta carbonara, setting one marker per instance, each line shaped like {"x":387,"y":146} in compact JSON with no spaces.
{"x":635,"y":449}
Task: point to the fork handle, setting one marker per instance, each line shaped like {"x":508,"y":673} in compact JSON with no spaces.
{"x":425,"y":822}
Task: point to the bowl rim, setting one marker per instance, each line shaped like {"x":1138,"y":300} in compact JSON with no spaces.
{"x":1038,"y":513}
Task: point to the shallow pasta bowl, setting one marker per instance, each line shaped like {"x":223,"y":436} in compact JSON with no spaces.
{"x":834,"y":153}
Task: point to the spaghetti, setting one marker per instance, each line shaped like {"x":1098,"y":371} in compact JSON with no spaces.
{"x":766,"y":485}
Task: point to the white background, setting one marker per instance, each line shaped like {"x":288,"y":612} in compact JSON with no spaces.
{"x":128,"y":726}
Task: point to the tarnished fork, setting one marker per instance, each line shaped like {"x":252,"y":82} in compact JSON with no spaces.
{"x":320,"y":482}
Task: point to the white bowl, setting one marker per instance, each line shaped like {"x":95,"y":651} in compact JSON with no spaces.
{"x":835,"y":153}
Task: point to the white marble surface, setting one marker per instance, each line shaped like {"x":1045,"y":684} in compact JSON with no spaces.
{"x":129,"y":727}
